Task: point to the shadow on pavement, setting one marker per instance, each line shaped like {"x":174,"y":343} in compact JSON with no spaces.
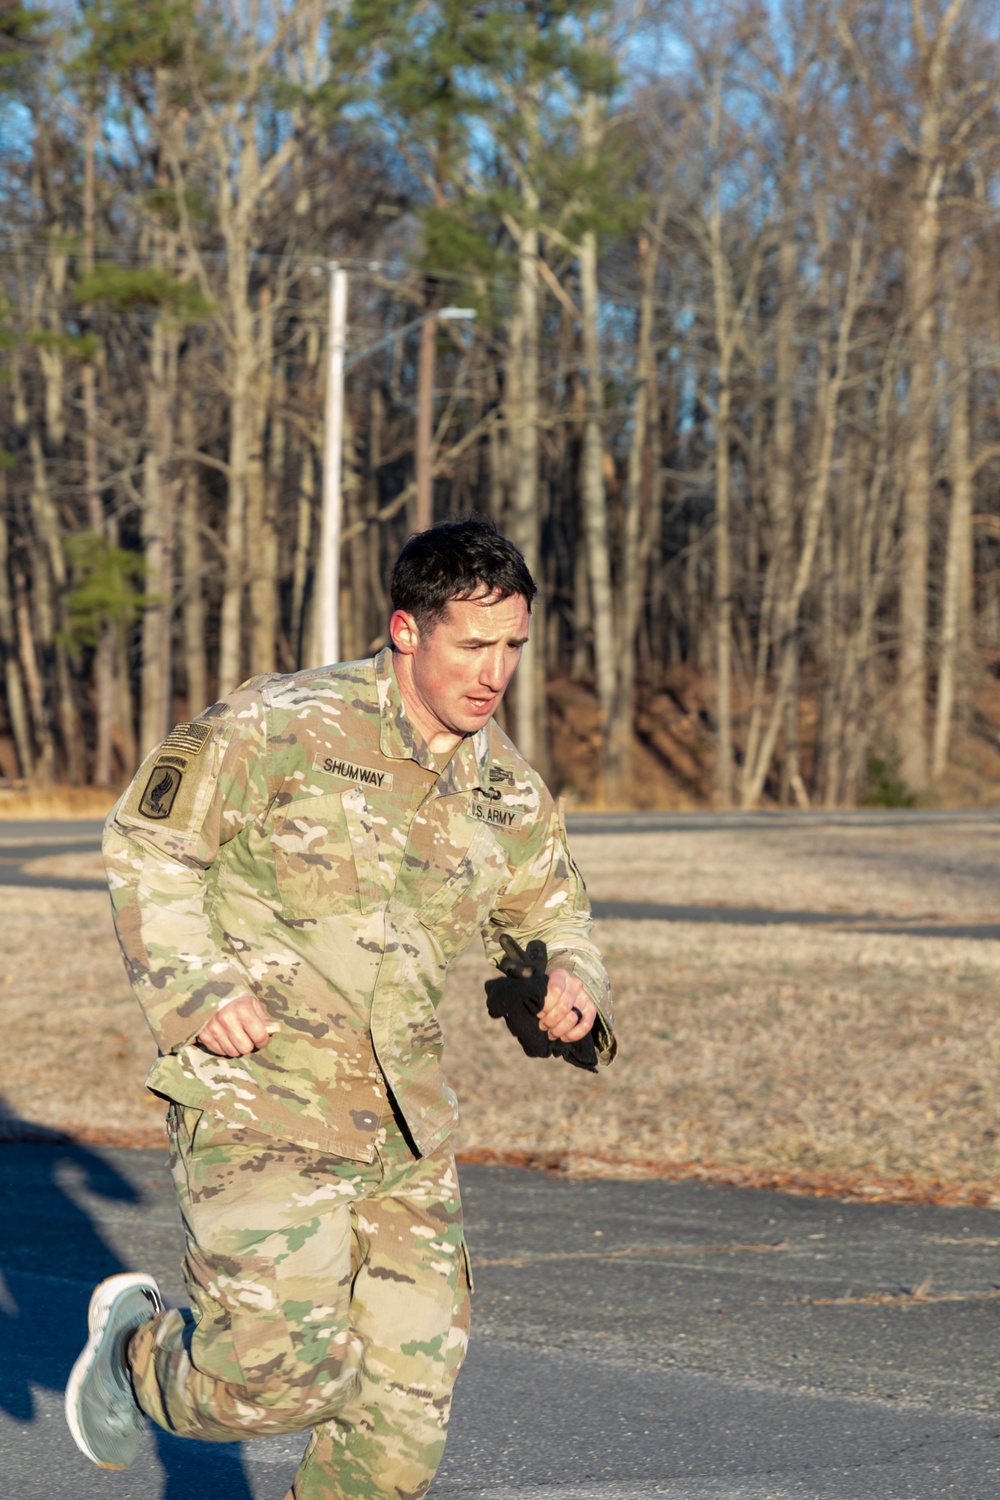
{"x":52,"y":1253}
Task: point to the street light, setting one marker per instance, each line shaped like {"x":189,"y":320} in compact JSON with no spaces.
{"x":327,"y":630}
{"x":448,"y":314}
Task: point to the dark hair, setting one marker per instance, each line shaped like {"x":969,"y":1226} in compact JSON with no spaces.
{"x":456,"y":560}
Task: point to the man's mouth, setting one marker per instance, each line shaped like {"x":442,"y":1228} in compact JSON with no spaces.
{"x":482,"y":705}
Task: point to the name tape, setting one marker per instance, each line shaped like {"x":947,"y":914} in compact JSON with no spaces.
{"x":362,"y":775}
{"x":497,"y":817}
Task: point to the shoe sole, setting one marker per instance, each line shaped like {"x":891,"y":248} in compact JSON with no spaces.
{"x":101,"y":1303}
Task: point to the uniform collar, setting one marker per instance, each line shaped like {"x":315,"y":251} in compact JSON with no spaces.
{"x":468,"y":768}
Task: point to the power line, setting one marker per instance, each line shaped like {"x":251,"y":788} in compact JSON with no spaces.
{"x":399,"y":270}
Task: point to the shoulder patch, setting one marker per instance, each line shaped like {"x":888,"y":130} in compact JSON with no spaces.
{"x":161,"y":791}
{"x":188,"y":739}
{"x":179,"y":783}
{"x":216,"y":709}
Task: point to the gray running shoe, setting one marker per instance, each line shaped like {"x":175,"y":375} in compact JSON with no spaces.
{"x":103,"y":1415}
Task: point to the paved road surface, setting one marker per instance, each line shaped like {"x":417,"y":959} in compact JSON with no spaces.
{"x":632,"y":1339}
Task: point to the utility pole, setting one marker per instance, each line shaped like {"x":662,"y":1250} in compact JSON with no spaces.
{"x":424,"y":512}
{"x":327,"y":631}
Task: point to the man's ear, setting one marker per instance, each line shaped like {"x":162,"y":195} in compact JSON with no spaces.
{"x":403,"y":632}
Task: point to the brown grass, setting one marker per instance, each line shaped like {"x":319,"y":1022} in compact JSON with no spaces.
{"x":787,"y":1056}
{"x":54,"y":802}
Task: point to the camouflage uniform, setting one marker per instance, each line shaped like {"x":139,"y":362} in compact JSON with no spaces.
{"x":300,"y":842}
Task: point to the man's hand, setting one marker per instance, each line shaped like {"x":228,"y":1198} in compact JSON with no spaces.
{"x":568,"y":1014}
{"x":549,"y":1014}
{"x":239,"y":1027}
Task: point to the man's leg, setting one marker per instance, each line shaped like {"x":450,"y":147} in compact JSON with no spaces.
{"x":267,"y":1345}
{"x":410,"y":1310}
{"x":325,"y":1294}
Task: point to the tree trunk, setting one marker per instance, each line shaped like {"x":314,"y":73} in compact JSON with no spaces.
{"x":302,"y":629}
{"x":877,"y":512}
{"x":355,"y":506}
{"x":917,"y":467}
{"x":49,"y":577}
{"x":49,"y":573}
{"x":68,"y":714}
{"x":792,"y":785}
{"x":523,"y":406}
{"x":351,"y":582}
{"x":957,"y":558}
{"x":619,"y":770}
{"x":723,"y":604}
{"x":241,"y":373}
{"x":426,"y":370}
{"x":192,"y":569}
{"x":496,"y":466}
{"x":725,"y":318}
{"x":156,"y":701}
{"x":45,"y":764}
{"x":595,"y":510}
{"x":378,"y":604}
{"x":124,"y":707}
{"x":104,"y":661}
{"x":828,"y":760}
{"x":780,"y":492}
{"x":262,"y":555}
{"x":17,"y":708}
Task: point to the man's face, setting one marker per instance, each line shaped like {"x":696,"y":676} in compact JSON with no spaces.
{"x":453,"y":677}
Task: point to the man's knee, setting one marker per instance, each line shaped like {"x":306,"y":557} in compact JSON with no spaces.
{"x":256,"y":1331}
{"x":306,"y":1400}
{"x":191,"y":1381}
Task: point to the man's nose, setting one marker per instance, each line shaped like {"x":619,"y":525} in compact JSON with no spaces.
{"x":492,"y":674}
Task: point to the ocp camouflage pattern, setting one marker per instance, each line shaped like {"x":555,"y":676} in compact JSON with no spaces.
{"x":324,"y":1294}
{"x":300,"y":842}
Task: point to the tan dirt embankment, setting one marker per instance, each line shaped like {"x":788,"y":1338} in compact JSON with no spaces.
{"x":830,"y":1060}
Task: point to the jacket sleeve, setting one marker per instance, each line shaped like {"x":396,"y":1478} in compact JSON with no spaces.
{"x":198,"y":790}
{"x":547,"y":899}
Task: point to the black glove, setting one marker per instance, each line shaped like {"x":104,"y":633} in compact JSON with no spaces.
{"x":519,"y":997}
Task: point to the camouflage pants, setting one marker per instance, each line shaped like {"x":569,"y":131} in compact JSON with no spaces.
{"x":325,"y":1294}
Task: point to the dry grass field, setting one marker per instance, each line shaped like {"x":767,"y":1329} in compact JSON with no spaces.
{"x":818,"y":1058}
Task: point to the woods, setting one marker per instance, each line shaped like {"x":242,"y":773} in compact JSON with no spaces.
{"x":732,"y":382}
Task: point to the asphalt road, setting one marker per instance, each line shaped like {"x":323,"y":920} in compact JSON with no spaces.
{"x":630,"y":1340}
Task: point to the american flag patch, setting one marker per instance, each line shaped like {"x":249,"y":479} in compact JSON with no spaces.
{"x":191,"y":739}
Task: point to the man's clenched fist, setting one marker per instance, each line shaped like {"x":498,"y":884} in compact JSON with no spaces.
{"x":239,"y":1027}
{"x":549,"y":1014}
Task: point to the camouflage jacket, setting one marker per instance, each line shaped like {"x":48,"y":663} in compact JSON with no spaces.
{"x":298,"y":842}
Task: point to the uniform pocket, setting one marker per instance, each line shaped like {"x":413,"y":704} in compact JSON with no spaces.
{"x":314,"y":857}
{"x":242,"y":1336}
{"x":461,"y":906}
